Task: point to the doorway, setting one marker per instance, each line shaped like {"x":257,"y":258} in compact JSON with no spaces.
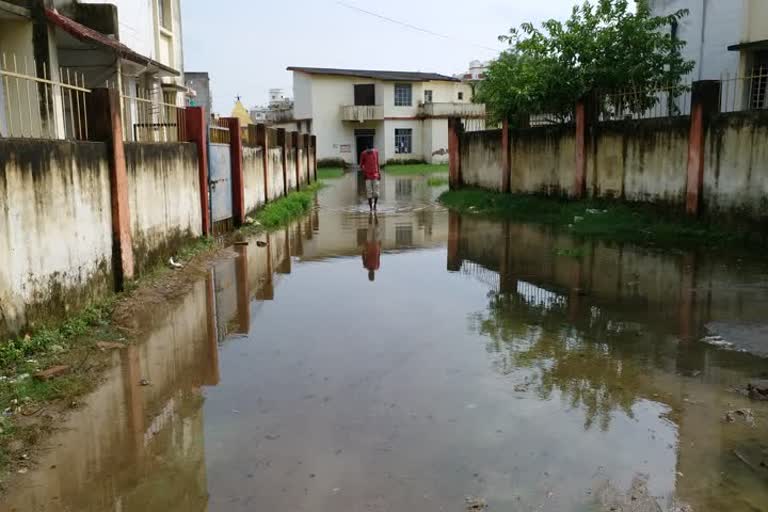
{"x":364,"y":139}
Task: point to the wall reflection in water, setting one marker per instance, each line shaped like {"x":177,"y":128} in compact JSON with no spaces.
{"x":606,"y":327}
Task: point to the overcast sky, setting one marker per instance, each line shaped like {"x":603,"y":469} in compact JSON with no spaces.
{"x":246,"y":45}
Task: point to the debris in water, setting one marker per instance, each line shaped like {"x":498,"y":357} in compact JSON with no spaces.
{"x":248,"y":220}
{"x":110,"y":345}
{"x":593,"y":211}
{"x":578,"y":218}
{"x":242,"y":242}
{"x":745,"y":414}
{"x":746,"y":461}
{"x":23,"y":471}
{"x":261,"y":243}
{"x":475,"y":504}
{"x":53,"y":372}
{"x":173,"y":264}
{"x":758,"y":390}
{"x":144,"y":382}
{"x":717,"y":341}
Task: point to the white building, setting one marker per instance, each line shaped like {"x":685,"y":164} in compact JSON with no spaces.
{"x":721,"y":36}
{"x":403,"y":114}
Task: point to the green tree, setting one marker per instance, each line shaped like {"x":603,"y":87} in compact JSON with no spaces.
{"x":602,"y":46}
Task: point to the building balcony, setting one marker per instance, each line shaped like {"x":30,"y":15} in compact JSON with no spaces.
{"x":452,"y":110}
{"x":280,"y":116}
{"x":362,"y":113}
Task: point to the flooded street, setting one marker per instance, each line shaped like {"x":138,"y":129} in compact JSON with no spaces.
{"x":470,"y":358}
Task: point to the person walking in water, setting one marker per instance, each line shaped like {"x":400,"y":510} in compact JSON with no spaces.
{"x":369,"y":162}
{"x":372,"y":248}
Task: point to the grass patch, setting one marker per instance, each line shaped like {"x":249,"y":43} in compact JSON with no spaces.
{"x":437,"y":181}
{"x":609,"y":220}
{"x":288,"y":208}
{"x":330,"y":173}
{"x":415,"y":169}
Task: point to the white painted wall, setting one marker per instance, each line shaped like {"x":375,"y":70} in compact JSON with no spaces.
{"x":302,"y":94}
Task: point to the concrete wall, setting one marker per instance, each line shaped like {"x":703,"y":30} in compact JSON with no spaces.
{"x":638,"y":161}
{"x":164,"y":200}
{"x":290,"y":168}
{"x":55,"y":230}
{"x":275,"y":164}
{"x":253,"y":174}
{"x":643,"y":160}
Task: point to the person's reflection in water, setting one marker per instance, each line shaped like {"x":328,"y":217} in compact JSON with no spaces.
{"x":372,"y":247}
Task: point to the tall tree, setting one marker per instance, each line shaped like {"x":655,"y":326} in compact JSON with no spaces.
{"x":603,"y":45}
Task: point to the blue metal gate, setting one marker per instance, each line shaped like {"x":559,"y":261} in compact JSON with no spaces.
{"x":220,"y":179}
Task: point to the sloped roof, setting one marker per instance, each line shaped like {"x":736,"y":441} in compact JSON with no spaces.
{"x":404,"y":76}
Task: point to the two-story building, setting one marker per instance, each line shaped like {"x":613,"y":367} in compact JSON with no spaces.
{"x":724,"y":39}
{"x":403,"y":114}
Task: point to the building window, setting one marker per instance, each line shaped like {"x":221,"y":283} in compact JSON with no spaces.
{"x":164,"y":14}
{"x":403,"y":97}
{"x":461,"y":96}
{"x":427,"y":96}
{"x":759,"y":82}
{"x":403,"y":141}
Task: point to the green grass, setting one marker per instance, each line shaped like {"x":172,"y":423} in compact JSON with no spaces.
{"x":288,"y":208}
{"x":418,"y":169}
{"x":330,"y":173}
{"x":437,"y":181}
{"x":609,"y":220}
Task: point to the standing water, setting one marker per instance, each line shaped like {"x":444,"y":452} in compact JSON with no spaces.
{"x":421,"y":360}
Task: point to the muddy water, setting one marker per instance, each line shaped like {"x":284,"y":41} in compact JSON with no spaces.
{"x":469,"y":358}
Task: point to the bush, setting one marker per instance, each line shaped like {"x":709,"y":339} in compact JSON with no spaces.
{"x":406,"y":161}
{"x":331,"y":163}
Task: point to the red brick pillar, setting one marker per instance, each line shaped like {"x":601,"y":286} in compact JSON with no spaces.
{"x":454,"y":155}
{"x":313,"y":146}
{"x":705,"y":102}
{"x":236,"y":161}
{"x":506,"y":167}
{"x":261,"y":140}
{"x":296,"y":146}
{"x":197,"y":132}
{"x":106,"y":125}
{"x":282,"y":144}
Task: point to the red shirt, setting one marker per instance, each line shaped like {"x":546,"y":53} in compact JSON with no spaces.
{"x":369,"y":162}
{"x":372,"y":255}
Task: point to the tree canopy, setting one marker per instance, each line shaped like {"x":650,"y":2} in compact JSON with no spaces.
{"x":603,"y":45}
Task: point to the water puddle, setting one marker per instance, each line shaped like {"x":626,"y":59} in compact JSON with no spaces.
{"x":420,"y":360}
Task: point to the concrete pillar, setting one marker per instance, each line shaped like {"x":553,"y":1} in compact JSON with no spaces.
{"x":705,"y":102}
{"x":238,"y":179}
{"x":212,"y":374}
{"x":687,"y":304}
{"x":243,"y":292}
{"x":295,"y":145}
{"x":506,"y":167}
{"x":313,"y":145}
{"x":282,"y":144}
{"x":197,"y":132}
{"x":261,"y":140}
{"x":307,"y":158}
{"x":454,"y":155}
{"x":507,"y":279}
{"x":105,"y":125}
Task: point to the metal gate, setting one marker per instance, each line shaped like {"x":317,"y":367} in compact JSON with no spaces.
{"x":220,"y":179}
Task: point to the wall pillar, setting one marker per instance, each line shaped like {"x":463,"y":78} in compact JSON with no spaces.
{"x":582,"y":126}
{"x":238,"y":179}
{"x":506,"y":167}
{"x":106,"y":125}
{"x":454,"y":239}
{"x":307,"y":158}
{"x":261,"y":140}
{"x":197,"y":132}
{"x":454,"y":156}
{"x":295,"y":146}
{"x":705,"y":102}
{"x":313,"y":146}
{"x":282,"y":143}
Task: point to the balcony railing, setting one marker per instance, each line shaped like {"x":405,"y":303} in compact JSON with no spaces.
{"x":362,"y":113}
{"x":452,"y":110}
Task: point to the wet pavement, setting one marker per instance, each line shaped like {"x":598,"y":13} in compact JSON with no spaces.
{"x":414,"y":359}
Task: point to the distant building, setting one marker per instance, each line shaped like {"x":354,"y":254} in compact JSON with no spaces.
{"x":278,"y":112}
{"x":722,"y":37}
{"x":474,"y":75}
{"x":200,"y":94}
{"x":403,"y":114}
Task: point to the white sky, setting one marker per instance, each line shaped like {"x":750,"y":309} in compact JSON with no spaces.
{"x":246,"y":45}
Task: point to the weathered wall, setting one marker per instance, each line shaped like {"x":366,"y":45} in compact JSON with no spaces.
{"x":736,"y":165}
{"x":481,"y":159}
{"x":290,"y":168}
{"x":55,"y":230}
{"x":253,"y":174}
{"x":164,"y":199}
{"x":276,"y":185}
{"x":542,"y":160}
{"x":639,"y":160}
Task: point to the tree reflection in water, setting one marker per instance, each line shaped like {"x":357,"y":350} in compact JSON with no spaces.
{"x":591,"y":375}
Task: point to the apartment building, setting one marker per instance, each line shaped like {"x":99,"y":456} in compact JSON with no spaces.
{"x":403,"y":114}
